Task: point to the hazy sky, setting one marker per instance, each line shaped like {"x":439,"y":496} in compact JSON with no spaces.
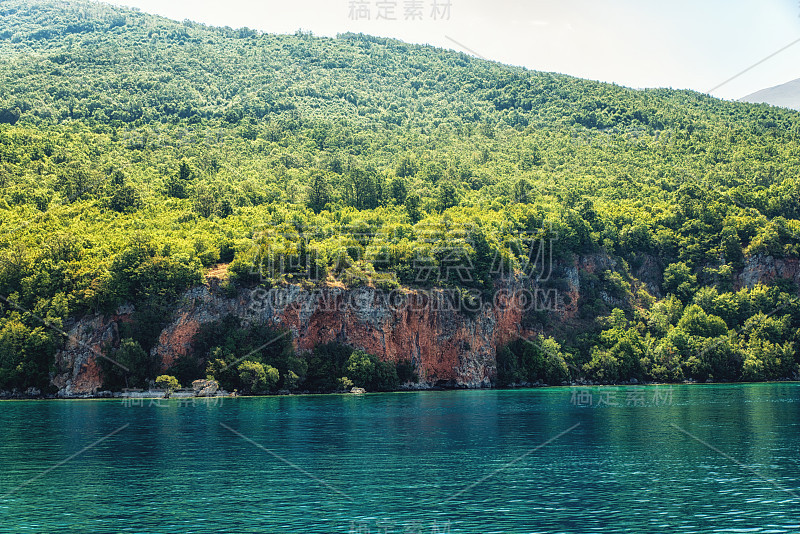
{"x":696,"y":44}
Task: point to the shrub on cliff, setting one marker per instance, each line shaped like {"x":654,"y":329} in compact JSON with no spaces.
{"x":129,"y":366}
{"x":220,"y":346}
{"x":406,"y":372}
{"x":536,"y":360}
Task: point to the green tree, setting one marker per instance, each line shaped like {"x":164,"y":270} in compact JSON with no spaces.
{"x":9,"y":115}
{"x":26,"y":354}
{"x":412,"y":204}
{"x":620,"y":353}
{"x":398,"y":191}
{"x":319,"y":193}
{"x":128,"y":366}
{"x":522,"y":191}
{"x":360,"y":368}
{"x":536,"y":360}
{"x":125,"y":198}
{"x":696,"y":322}
{"x":256,"y":378}
{"x":167,"y":383}
{"x":184,"y":171}
{"x":447,"y":196}
{"x":205,"y":200}
{"x":680,"y":281}
{"x":367,"y":371}
{"x":407,"y":166}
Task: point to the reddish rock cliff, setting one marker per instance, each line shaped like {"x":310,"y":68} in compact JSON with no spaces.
{"x":765,"y":269}
{"x":78,"y":372}
{"x":447,"y":345}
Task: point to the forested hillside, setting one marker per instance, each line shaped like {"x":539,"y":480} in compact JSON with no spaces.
{"x":137,"y":153}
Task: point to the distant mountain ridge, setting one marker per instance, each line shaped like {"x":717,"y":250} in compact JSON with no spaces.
{"x":786,"y":95}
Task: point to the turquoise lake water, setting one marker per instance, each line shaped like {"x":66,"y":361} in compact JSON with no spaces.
{"x":699,"y":458}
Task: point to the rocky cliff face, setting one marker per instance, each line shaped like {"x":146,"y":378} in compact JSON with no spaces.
{"x":447,"y":346}
{"x":449,"y":342}
{"x":79,"y":372}
{"x":765,"y":269}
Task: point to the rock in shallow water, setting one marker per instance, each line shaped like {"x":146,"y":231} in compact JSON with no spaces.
{"x":205,"y":388}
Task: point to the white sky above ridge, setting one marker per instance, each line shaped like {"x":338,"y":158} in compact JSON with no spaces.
{"x":683,"y":44}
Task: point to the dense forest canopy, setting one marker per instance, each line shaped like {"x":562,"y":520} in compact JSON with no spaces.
{"x":138,"y":152}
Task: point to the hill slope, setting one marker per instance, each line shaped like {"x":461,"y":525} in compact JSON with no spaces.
{"x":137,"y":153}
{"x":786,"y":95}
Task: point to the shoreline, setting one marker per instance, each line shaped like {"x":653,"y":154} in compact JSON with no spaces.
{"x":151,"y":395}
